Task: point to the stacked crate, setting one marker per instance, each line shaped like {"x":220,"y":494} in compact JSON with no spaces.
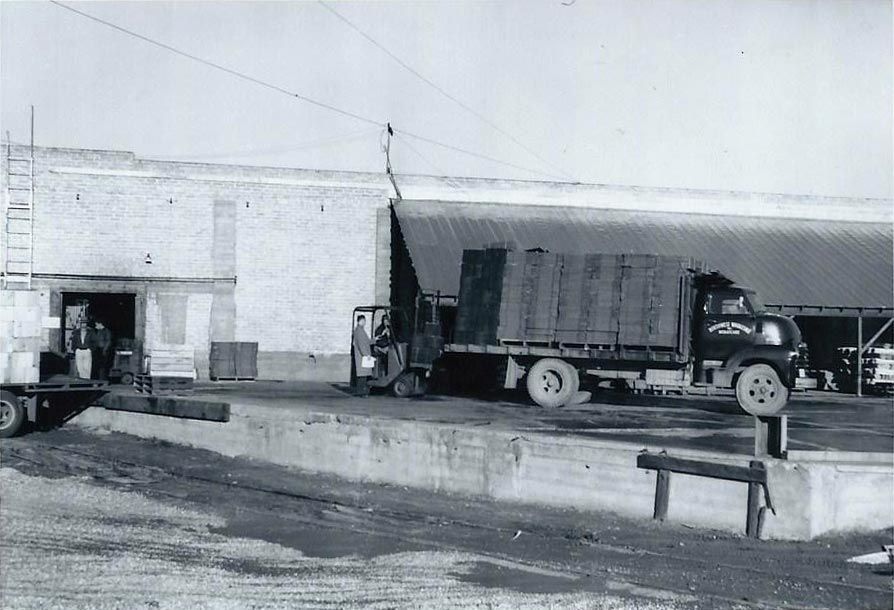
{"x":589,"y":300}
{"x":529,"y":306}
{"x":480,"y":295}
{"x":877,"y":366}
{"x":20,"y":330}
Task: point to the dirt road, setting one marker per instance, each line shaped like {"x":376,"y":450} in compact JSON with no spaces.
{"x":110,"y":521}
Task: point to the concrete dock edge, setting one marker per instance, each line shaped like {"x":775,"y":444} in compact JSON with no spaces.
{"x":812,"y":498}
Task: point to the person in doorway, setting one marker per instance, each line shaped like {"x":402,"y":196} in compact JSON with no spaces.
{"x":362,"y":348}
{"x":102,"y":350}
{"x":82,"y":342}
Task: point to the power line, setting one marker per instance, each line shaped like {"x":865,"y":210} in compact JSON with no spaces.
{"x":295,"y":95}
{"x":474,"y":154}
{"x":216,"y":66}
{"x":440,"y":89}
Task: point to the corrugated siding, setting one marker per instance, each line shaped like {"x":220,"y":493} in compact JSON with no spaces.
{"x":790,"y":262}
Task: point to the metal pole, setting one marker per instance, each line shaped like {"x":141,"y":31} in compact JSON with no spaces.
{"x":859,"y":354}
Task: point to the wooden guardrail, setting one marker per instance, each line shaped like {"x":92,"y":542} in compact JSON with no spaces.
{"x":755,"y":474}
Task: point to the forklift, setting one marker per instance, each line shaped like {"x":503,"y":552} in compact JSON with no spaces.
{"x":405,"y":354}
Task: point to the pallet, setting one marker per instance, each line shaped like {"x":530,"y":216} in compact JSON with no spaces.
{"x":160,"y":386}
{"x":232,"y":379}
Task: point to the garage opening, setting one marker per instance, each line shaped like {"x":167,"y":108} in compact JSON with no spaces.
{"x":117,"y":311}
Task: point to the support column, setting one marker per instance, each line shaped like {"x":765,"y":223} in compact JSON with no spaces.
{"x":859,"y":362}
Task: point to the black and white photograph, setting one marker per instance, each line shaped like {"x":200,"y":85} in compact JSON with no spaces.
{"x":447,"y":304}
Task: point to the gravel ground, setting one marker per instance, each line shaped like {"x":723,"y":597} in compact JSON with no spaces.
{"x":67,"y":543}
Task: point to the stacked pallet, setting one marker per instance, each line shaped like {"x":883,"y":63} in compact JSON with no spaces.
{"x":162,"y":386}
{"x":529,"y":307}
{"x":877,"y":366}
{"x":480,"y":296}
{"x":20,"y":330}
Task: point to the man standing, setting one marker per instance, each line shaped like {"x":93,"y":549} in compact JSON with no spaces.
{"x":82,"y":344}
{"x":362,"y":349}
{"x":102,"y":350}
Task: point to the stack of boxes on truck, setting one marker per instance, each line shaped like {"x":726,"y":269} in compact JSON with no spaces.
{"x":576,"y":300}
{"x":20,"y":330}
{"x":529,"y":307}
{"x":480,"y":296}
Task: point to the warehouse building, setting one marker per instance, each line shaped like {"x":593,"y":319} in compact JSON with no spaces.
{"x":172,"y":253}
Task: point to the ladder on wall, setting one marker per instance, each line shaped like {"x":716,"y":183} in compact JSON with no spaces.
{"x":18,"y":248}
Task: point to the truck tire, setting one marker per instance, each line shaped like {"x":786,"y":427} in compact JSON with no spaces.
{"x":404,"y":385}
{"x":552,"y":382}
{"x":759,"y":391}
{"x":12,"y":414}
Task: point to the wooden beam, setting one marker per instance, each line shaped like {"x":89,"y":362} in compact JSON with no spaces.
{"x":746,"y":474}
{"x":168,"y":406}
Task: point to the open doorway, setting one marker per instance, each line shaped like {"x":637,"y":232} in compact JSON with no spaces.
{"x":115,"y":311}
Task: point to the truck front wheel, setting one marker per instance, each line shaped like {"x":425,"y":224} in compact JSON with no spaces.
{"x":12,"y":414}
{"x":759,"y":391}
{"x":552,"y":382}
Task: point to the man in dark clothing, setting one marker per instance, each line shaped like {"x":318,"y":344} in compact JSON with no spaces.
{"x":82,"y":345}
{"x":102,"y":351}
{"x":362,"y":350}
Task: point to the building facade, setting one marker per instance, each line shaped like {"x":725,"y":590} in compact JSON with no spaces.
{"x":173,"y":253}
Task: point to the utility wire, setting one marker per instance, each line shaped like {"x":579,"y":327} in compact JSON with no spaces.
{"x":474,"y":154}
{"x":295,"y":95}
{"x":230,"y":71}
{"x":441,"y":90}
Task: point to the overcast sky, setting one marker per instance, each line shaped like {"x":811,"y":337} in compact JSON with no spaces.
{"x":777,"y":96}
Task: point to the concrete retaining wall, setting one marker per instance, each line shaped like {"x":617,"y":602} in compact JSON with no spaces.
{"x":811,"y":498}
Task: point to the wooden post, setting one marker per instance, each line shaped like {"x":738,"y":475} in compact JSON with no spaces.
{"x":662,"y":495}
{"x":859,"y":362}
{"x":771,"y":436}
{"x":753,"y":516}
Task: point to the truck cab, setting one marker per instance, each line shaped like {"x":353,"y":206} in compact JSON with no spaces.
{"x":737,"y":343}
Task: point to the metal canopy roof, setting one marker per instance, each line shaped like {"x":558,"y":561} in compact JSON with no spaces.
{"x":799,"y":266}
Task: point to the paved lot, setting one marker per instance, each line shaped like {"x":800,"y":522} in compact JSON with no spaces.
{"x":818,"y":421}
{"x":111,"y":521}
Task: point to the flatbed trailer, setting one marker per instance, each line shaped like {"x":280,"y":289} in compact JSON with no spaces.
{"x":57,"y":396}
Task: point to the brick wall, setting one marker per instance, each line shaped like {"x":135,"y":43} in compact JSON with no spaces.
{"x":306,"y":246}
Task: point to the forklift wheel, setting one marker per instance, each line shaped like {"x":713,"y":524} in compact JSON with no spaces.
{"x":403,"y":386}
{"x":12,"y":414}
{"x":127,"y":379}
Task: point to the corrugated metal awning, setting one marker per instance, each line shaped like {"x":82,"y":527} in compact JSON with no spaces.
{"x":801,"y":266}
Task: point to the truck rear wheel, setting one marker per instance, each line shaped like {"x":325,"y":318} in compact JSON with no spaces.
{"x":12,"y":414}
{"x":552,"y":382}
{"x":759,"y":391}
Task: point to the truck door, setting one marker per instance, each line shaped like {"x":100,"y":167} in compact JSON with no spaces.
{"x":726,"y":323}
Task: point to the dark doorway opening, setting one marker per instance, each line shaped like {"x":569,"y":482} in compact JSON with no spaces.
{"x":117,"y":311}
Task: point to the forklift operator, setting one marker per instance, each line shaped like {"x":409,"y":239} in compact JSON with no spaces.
{"x":382,"y":338}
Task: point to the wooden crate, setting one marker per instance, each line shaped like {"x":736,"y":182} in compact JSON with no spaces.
{"x":172,"y":361}
{"x":160,"y":386}
{"x":234,"y":360}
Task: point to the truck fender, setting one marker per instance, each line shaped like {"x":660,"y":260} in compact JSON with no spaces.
{"x":780,"y":358}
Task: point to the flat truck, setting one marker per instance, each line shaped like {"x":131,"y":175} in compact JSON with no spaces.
{"x":547,"y":319}
{"x":27,"y":393}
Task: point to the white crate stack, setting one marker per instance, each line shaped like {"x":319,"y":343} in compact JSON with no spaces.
{"x":21,"y":324}
{"x":877,"y":366}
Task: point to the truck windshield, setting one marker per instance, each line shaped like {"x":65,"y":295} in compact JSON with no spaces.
{"x":757,"y":305}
